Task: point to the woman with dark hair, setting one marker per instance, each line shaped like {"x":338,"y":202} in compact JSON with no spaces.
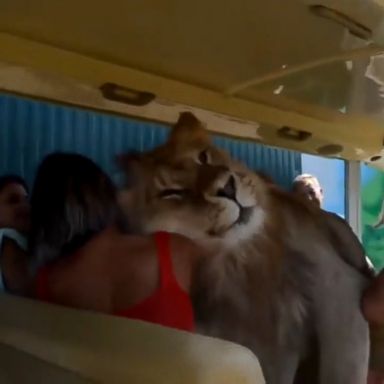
{"x":14,"y":224}
{"x":87,"y":262}
{"x":72,"y":200}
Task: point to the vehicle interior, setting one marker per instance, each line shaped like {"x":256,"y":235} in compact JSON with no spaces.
{"x":300,"y":75}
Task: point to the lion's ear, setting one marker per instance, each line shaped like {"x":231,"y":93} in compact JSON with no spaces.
{"x":126,"y":160}
{"x":133,"y":165}
{"x":188,"y":120}
{"x":188,"y":129}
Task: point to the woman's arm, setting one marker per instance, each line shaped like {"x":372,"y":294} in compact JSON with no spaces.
{"x":14,"y":267}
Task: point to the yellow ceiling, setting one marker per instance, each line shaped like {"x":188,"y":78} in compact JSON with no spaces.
{"x":272,"y":62}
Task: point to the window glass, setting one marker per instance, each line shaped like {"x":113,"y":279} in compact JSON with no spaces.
{"x":372,"y":193}
{"x":331,"y":175}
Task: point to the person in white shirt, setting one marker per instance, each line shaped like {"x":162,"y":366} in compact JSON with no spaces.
{"x":308,"y":187}
{"x":14,"y":226}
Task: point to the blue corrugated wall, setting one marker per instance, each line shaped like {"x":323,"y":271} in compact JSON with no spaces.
{"x":30,"y":129}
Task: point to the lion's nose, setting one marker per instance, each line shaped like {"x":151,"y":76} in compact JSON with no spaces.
{"x":229,"y":189}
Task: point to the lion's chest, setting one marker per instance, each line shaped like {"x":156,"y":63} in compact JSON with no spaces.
{"x":231,"y":304}
{"x":243,"y":301}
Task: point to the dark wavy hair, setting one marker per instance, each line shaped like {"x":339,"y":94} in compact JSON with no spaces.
{"x":72,"y":199}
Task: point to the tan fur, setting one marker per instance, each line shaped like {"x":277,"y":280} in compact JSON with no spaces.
{"x":280,"y":276}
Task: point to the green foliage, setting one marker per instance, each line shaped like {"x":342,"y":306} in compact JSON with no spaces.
{"x":372,"y":196}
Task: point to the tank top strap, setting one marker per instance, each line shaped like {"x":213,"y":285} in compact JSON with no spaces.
{"x":164,"y":257}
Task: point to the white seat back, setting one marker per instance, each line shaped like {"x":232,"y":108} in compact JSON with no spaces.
{"x":42,"y":343}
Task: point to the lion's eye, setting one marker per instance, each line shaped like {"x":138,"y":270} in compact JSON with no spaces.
{"x":203,"y":157}
{"x":172,"y":193}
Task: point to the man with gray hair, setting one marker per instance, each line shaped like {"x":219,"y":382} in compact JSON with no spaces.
{"x":308,"y":187}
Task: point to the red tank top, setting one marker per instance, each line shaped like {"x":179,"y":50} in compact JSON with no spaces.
{"x":169,"y":305}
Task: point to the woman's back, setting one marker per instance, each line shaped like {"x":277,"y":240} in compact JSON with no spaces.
{"x":142,"y":277}
{"x":86,"y":260}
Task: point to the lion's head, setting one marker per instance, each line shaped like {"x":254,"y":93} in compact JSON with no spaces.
{"x":191,"y":187}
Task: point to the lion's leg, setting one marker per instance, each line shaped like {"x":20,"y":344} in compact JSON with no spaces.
{"x":342,"y":331}
{"x":287,"y":365}
{"x":344,"y":354}
{"x":279,"y":366}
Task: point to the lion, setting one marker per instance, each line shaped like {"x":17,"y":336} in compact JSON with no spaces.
{"x":280,"y":277}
